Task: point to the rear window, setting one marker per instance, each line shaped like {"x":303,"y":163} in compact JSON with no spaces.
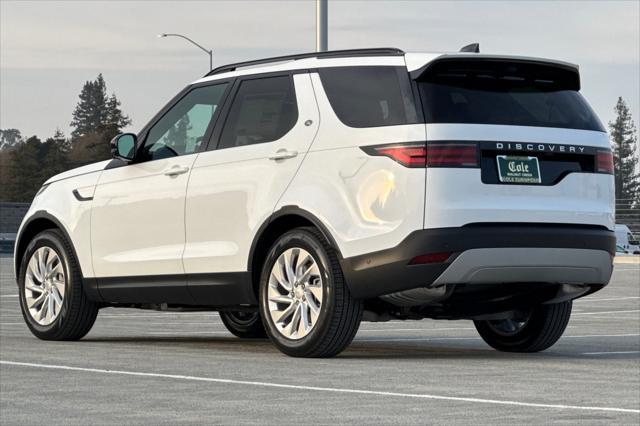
{"x":371,"y":96}
{"x":509,"y":93}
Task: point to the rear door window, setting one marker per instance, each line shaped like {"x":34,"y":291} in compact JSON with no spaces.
{"x":505,"y":93}
{"x":263,"y":110}
{"x":371,"y":96}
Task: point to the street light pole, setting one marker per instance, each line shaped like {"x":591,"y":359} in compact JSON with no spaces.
{"x":321,"y":26}
{"x":207,"y":51}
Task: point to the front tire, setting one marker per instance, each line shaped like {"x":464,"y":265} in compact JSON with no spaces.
{"x":305,"y":303}
{"x":536,"y":332}
{"x":246,"y":325}
{"x":54,"y":304}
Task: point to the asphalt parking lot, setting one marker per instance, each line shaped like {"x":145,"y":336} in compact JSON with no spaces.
{"x":166,"y":368}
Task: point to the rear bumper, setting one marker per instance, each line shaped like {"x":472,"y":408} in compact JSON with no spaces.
{"x":487,"y":254}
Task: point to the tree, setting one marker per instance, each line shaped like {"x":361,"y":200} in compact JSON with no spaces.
{"x":60,"y":139}
{"x":87,"y":149}
{"x":9,"y":138}
{"x":24,"y":174}
{"x":26,"y":165}
{"x":55,"y":155}
{"x":90,"y":115}
{"x":116,"y":120}
{"x":7,"y":166}
{"x":97,"y":118}
{"x":625,"y":156}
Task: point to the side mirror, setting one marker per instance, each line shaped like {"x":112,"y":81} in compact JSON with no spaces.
{"x":123,"y":146}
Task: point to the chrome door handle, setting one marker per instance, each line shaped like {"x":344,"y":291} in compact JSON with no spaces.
{"x":176,"y":170}
{"x":282,"y":154}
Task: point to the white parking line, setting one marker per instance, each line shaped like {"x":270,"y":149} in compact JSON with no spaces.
{"x":413,"y":339}
{"x":604,"y":335}
{"x":173,"y":322}
{"x":178,"y":332}
{"x":611,"y":353}
{"x":163,"y":315}
{"x":586,"y":299}
{"x":414,"y":329}
{"x":8,"y":295}
{"x":226,"y":332}
{"x":605,"y":312}
{"x":410,"y":339}
{"x":323,"y":389}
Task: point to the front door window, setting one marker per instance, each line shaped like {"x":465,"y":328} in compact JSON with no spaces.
{"x":181,"y":130}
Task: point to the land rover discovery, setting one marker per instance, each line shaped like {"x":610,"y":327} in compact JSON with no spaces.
{"x":300,"y":195}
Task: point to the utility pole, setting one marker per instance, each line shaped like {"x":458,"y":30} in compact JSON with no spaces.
{"x":321,"y":26}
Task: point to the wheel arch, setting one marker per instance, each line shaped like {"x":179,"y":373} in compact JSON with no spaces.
{"x":36,"y":223}
{"x":281,"y":221}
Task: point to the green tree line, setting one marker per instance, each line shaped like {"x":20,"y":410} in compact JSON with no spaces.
{"x":26,"y":163}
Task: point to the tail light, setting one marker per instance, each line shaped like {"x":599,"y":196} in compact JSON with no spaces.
{"x":430,"y":155}
{"x":409,"y":155}
{"x":452,"y":155}
{"x":604,"y":162}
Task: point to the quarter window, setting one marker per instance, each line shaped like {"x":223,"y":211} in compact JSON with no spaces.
{"x":370,"y":96}
{"x":181,"y":130}
{"x":264,"y":110}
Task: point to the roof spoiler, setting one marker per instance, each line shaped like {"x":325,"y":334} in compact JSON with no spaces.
{"x":571,"y":74}
{"x":471,"y":48}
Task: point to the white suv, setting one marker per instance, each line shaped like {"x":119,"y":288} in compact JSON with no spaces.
{"x":300,"y":195}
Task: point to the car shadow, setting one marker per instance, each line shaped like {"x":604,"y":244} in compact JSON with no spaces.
{"x":361,"y":350}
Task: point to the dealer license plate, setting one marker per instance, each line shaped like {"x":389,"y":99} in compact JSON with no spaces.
{"x":513,"y":169}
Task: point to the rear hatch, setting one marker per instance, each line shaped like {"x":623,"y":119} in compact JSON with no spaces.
{"x":512,"y":140}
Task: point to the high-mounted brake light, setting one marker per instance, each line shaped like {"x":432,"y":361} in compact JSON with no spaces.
{"x":604,"y":162}
{"x":432,"y":155}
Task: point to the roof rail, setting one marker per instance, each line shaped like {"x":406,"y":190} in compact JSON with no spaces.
{"x":384,"y":51}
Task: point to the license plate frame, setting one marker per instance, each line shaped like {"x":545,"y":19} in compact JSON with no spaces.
{"x":518,"y":169}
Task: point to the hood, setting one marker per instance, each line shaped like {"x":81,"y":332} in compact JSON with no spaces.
{"x":89,"y":168}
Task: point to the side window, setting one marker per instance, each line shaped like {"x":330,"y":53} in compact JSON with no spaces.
{"x":181,"y":130}
{"x":370,"y":96}
{"x":263,"y":110}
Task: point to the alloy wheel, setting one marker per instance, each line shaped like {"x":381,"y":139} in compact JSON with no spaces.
{"x":44,"y":285}
{"x":295,"y":292}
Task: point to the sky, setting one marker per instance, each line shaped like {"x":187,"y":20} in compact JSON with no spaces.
{"x":48,"y":49}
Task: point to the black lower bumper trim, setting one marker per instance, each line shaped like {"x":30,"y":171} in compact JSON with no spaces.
{"x":388,"y":271}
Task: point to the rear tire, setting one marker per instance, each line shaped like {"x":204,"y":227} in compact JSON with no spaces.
{"x":246,"y":325}
{"x":539,"y":331}
{"x":74,"y":316}
{"x":306,"y":307}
